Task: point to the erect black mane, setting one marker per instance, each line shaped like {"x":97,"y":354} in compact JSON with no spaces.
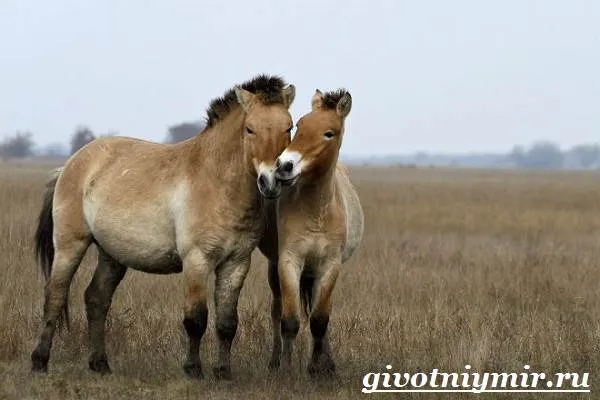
{"x":267,"y":88}
{"x":332,"y":98}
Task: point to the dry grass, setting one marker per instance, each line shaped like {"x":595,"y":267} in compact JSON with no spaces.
{"x":493,"y":269}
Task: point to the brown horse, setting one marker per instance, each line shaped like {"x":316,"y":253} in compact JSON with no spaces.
{"x":319,"y":225}
{"x":190,"y":207}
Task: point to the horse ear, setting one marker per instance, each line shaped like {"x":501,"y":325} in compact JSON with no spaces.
{"x":344,"y":105}
{"x":244,"y":97}
{"x":289,"y":94}
{"x":317,"y":100}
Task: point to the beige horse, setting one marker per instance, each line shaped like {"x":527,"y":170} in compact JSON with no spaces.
{"x":190,"y":207}
{"x":318,"y":227}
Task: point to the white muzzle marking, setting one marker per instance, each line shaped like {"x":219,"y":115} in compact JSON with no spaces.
{"x":292,"y":158}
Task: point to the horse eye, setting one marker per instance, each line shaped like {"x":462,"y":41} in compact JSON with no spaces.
{"x":249,"y":131}
{"x":290,"y":129}
{"x":328,"y":134}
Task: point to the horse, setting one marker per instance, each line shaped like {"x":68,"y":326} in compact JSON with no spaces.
{"x":191,"y":207}
{"x":319,"y":224}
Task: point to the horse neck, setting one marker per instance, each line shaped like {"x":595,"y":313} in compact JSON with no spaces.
{"x":218,"y":149}
{"x":318,"y":192}
{"x":217,"y":153}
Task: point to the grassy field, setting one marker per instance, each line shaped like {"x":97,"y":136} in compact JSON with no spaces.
{"x":492,"y":269}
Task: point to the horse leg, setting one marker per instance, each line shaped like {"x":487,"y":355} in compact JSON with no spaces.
{"x":98,"y":297}
{"x":322,"y":363}
{"x":67,"y":257}
{"x":289,"y":269}
{"x":228,"y":284}
{"x":275,"y":315}
{"x":195,"y":274}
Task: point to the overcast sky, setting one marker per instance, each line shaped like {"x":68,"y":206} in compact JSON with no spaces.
{"x":447,"y":76}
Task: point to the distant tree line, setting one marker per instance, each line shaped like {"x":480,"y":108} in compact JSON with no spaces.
{"x":18,"y":145}
{"x":547,"y":155}
{"x":539,"y":155}
{"x":21,"y":144}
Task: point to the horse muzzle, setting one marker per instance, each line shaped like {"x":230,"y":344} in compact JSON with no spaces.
{"x":268,"y":186}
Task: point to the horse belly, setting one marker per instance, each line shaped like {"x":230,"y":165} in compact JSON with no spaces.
{"x":140,"y":242}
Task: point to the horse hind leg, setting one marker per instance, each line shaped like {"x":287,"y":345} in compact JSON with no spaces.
{"x":67,"y":257}
{"x":322,"y":364}
{"x":98,"y":298}
{"x":275,"y":361}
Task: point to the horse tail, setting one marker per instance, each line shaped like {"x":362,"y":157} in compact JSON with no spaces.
{"x":44,"y":245}
{"x":306,"y":293}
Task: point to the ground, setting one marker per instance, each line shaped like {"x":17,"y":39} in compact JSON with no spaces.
{"x":491,"y":269}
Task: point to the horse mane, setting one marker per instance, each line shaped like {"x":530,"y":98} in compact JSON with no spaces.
{"x":332,"y":98}
{"x":267,"y":88}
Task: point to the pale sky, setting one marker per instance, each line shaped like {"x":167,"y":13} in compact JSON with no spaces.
{"x":443,"y":76}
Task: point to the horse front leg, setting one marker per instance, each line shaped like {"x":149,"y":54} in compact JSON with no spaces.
{"x":229,"y":280}
{"x":196,"y":269}
{"x":322,"y":363}
{"x":289,"y":270}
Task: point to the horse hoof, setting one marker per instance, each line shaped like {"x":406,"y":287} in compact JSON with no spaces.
{"x":274,"y":365}
{"x":39,"y":364}
{"x":222,"y":373}
{"x":286,"y":369}
{"x":39,"y":367}
{"x":99,"y":364}
{"x":193,"y":371}
{"x":322,"y":370}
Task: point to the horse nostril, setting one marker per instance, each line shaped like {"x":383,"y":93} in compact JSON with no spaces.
{"x":287,"y":167}
{"x":262,"y":181}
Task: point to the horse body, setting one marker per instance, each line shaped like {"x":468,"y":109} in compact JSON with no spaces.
{"x":177,"y":209}
{"x":320,"y":224}
{"x":191,"y":207}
